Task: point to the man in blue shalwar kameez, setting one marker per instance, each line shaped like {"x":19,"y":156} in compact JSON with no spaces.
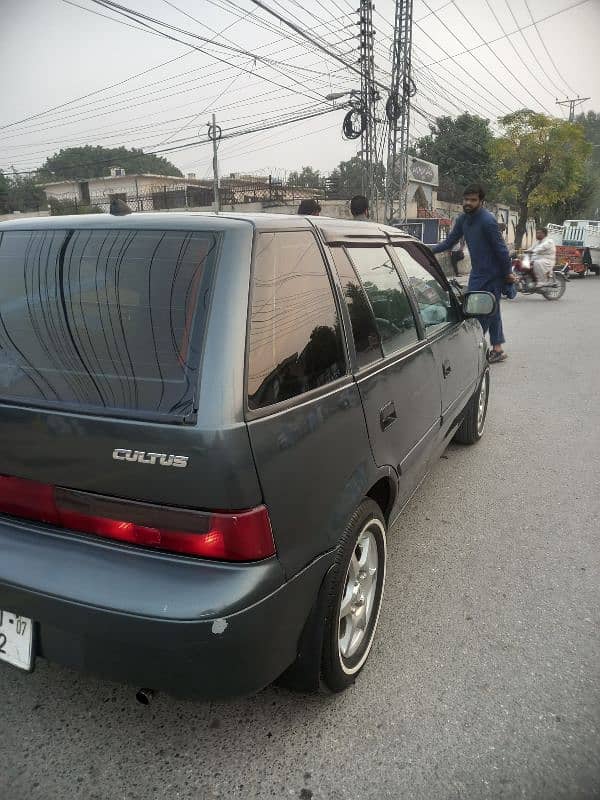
{"x":491,"y":267}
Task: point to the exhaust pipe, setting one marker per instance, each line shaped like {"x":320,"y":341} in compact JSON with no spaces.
{"x":144,"y":696}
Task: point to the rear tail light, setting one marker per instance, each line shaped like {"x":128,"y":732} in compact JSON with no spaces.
{"x":235,"y":536}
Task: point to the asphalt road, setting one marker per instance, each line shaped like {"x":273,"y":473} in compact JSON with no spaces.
{"x":484,"y":681}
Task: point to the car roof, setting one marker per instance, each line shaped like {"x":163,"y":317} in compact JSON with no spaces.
{"x":333,"y":229}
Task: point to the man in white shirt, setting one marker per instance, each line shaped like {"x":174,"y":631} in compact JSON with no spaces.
{"x":543,"y":255}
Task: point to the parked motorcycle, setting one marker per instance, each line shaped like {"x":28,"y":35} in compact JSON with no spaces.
{"x":525,"y":279}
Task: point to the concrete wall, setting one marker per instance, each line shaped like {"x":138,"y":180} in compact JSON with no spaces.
{"x":502,"y":212}
{"x":23,"y":215}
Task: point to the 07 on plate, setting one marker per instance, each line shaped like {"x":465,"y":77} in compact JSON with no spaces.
{"x":16,"y":640}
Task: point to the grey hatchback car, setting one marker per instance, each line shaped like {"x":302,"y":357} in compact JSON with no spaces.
{"x":210,"y":422}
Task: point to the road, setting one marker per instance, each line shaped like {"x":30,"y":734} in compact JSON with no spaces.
{"x":484,"y":681}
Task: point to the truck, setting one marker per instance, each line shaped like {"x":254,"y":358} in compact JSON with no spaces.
{"x":578,"y":242}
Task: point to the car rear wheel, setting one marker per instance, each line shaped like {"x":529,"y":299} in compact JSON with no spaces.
{"x":339,"y":633}
{"x":355,"y":597}
{"x":473,"y":424}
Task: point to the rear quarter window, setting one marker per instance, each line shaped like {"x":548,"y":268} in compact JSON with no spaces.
{"x":295,"y":342}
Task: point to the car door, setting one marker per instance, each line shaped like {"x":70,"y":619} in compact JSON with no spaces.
{"x":395,"y":368}
{"x":305,"y":419}
{"x":454,"y":340}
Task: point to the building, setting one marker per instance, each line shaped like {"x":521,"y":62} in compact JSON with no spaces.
{"x":143,"y":192}
{"x":422,"y":186}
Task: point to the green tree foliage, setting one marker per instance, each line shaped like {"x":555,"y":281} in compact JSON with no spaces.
{"x":590,"y":205}
{"x":347,"y":179}
{"x":20,"y":193}
{"x":78,"y":163}
{"x":541,"y":162}
{"x":307,"y":178}
{"x":461,"y":148}
{"x":4,"y":189}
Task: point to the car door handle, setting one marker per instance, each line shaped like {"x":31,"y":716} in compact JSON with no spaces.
{"x":446,"y":368}
{"x":387,"y":415}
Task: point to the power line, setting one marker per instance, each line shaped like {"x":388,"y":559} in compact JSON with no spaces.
{"x":136,"y":75}
{"x":237,"y":104}
{"x":76,"y":118}
{"x":521,"y":57}
{"x":505,"y":36}
{"x":531,"y":50}
{"x":486,"y":44}
{"x":227,"y":135}
{"x":311,"y":39}
{"x":491,"y":110}
{"x":541,"y":38}
{"x":96,"y":91}
{"x":129,"y":13}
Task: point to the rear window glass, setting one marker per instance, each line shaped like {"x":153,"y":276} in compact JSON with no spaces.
{"x":102,"y":319}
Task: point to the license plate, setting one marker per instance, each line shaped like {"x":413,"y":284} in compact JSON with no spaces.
{"x":16,"y":640}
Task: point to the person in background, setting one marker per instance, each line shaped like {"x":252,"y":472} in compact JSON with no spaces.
{"x":359,"y":207}
{"x":309,"y":208}
{"x":491,"y":266}
{"x":543,"y":255}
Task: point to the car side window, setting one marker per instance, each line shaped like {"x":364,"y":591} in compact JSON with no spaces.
{"x":435,"y":304}
{"x":367,"y":341}
{"x":295,"y":342}
{"x":393,"y":313}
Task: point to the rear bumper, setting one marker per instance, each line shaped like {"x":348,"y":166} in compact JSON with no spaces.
{"x":191,"y":627}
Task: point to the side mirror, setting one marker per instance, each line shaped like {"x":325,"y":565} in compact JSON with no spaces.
{"x":479,"y":304}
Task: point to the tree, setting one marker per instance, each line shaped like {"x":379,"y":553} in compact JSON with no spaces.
{"x":347,"y":179}
{"x":461,"y":149}
{"x":77,"y":163}
{"x":19,"y":193}
{"x":541,"y":162}
{"x":582,"y":205}
{"x":307,"y":178}
{"x":590,"y":205}
{"x":4,"y":190}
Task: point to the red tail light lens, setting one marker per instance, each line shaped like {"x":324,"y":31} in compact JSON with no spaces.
{"x":236,"y":536}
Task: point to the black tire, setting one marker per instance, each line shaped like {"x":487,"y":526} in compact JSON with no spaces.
{"x":320,"y":663}
{"x":473,"y":425}
{"x":595,"y":269}
{"x":555,"y":293}
{"x":337,"y":671}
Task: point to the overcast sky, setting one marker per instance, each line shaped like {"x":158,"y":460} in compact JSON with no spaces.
{"x":54,"y":52}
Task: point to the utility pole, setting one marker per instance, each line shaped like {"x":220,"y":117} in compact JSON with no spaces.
{"x":368,"y":104}
{"x":398,"y":113}
{"x":572,"y":103}
{"x":214,"y":133}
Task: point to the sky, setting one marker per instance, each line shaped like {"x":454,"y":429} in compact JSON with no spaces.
{"x":59,"y":52}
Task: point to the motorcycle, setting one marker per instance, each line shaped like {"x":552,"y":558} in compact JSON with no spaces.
{"x":526,"y":283}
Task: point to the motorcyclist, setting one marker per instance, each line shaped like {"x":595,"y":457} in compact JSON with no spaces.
{"x":543,"y":255}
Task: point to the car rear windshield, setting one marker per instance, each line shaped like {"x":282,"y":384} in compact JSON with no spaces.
{"x":103,"y":320}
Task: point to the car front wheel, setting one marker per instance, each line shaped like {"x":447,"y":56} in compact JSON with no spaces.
{"x":473,"y":424}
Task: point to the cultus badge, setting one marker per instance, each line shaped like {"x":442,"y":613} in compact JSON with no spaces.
{"x":142,"y":457}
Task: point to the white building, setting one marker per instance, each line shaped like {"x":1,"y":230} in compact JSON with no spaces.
{"x":143,"y":192}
